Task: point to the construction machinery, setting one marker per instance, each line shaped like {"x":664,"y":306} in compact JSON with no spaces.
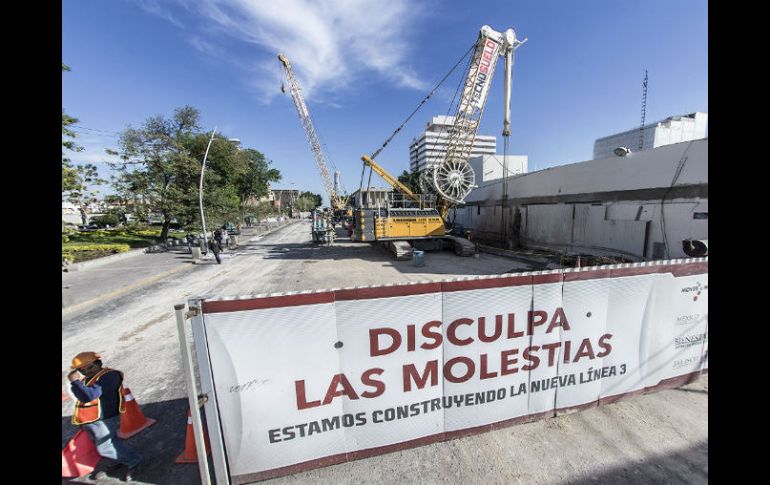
{"x":337,"y":201}
{"x":420,"y":220}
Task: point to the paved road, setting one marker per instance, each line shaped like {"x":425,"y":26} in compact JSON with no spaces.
{"x":657,"y":438}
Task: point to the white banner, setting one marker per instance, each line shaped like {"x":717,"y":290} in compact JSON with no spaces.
{"x":311,"y":379}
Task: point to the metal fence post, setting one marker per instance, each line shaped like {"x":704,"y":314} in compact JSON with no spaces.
{"x":192,"y":396}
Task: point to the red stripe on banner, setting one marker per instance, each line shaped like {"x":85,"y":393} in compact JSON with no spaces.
{"x":675,"y":269}
{"x":529,"y":418}
{"x":690,"y":269}
{"x":335,"y":459}
{"x":674,"y":382}
{"x":587,"y":275}
{"x":574,"y":409}
{"x":426,"y":440}
{"x":639,"y":271}
{"x":462,"y":433}
{"x":289,"y":470}
{"x":541,"y":279}
{"x":387,"y":291}
{"x":486,"y":283}
{"x":619,"y":397}
{"x":220,"y":306}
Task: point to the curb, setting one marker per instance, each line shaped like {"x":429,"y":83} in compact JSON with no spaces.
{"x":94,"y":263}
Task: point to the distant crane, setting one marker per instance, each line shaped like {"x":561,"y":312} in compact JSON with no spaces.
{"x":644,"y":111}
{"x":335,"y":200}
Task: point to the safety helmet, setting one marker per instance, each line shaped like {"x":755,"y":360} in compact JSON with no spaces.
{"x":84,"y":358}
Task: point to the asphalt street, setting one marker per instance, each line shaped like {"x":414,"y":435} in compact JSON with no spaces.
{"x":127,"y":314}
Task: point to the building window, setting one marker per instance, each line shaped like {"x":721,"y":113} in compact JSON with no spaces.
{"x":700,"y":215}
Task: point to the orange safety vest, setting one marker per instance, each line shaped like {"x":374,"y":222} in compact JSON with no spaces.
{"x":92,"y":411}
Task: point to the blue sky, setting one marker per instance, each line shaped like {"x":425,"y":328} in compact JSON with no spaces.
{"x":364,"y":66}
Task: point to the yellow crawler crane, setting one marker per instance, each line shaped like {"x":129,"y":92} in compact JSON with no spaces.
{"x":407,"y":221}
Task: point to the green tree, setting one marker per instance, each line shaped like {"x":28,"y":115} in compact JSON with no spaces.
{"x":161,"y":164}
{"x":164,"y":171}
{"x":82,"y":194}
{"x":306,"y":203}
{"x":315,"y":198}
{"x":254,"y":181}
{"x":411,"y":180}
{"x":68,"y":172}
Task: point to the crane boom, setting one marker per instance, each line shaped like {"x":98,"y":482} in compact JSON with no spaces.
{"x":389,"y":178}
{"x":307,"y":123}
{"x":453,"y":178}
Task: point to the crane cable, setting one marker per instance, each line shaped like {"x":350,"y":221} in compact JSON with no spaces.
{"x":422,"y":102}
{"x":374,"y":155}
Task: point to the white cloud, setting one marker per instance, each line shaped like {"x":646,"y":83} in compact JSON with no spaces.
{"x":154,"y":7}
{"x":330,"y":43}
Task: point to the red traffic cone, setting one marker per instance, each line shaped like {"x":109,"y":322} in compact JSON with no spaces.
{"x":79,"y":457}
{"x":132,"y":421}
{"x":190,"y":455}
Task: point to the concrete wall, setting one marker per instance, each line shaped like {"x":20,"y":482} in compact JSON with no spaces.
{"x":604,"y":207}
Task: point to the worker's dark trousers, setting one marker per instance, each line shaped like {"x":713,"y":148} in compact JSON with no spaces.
{"x":105,"y":435}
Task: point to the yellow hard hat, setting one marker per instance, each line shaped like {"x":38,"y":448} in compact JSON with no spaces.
{"x":84,"y":358}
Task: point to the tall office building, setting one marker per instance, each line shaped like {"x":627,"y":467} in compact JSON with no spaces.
{"x":674,"y":129}
{"x":430,"y":147}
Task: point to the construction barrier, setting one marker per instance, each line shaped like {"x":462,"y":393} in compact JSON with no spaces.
{"x":312,"y":379}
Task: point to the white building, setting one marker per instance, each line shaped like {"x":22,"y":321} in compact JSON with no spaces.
{"x":674,"y":129}
{"x":489,"y":168}
{"x":373,"y":197}
{"x":641,"y":206}
{"x":430,"y":147}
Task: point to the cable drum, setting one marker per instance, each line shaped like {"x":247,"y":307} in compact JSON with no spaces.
{"x":425,"y":181}
{"x":454,"y":179}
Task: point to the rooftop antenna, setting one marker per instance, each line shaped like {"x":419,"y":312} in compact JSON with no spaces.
{"x":644,"y":111}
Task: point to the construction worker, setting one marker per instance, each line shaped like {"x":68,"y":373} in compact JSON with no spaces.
{"x":216,"y":249}
{"x":98,"y":404}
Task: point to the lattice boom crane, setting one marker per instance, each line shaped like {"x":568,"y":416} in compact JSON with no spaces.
{"x":453,"y":178}
{"x":336,"y":201}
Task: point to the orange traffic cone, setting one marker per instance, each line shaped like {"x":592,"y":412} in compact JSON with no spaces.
{"x":79,"y":457}
{"x":190,"y":455}
{"x":132,"y":421}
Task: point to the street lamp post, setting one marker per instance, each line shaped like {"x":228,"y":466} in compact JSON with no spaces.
{"x":200,"y":193}
{"x":200,"y":188}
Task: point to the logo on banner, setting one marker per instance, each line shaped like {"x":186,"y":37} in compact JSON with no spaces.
{"x":690,"y":319}
{"x":698,"y":288}
{"x":690,"y":361}
{"x":689,"y":340}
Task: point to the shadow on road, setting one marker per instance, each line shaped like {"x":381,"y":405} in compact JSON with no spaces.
{"x":160,"y":444}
